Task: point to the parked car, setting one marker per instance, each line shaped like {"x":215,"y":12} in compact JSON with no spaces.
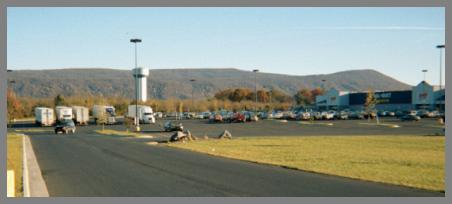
{"x":170,"y":126}
{"x":216,"y":118}
{"x":356,"y":115}
{"x":238,"y":118}
{"x":206,"y":115}
{"x":65,"y":126}
{"x":303,"y":116}
{"x":410,"y":117}
{"x":278,"y":115}
{"x":317,"y":115}
{"x":327,"y":115}
{"x":399,"y":114}
{"x":342,"y":115}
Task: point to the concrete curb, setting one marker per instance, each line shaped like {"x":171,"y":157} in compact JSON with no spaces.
{"x":33,"y":182}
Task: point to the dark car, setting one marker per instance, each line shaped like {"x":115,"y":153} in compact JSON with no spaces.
{"x":410,"y":118}
{"x":65,"y":126}
{"x":170,"y":126}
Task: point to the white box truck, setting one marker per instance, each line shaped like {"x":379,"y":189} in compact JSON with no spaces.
{"x":44,"y":116}
{"x":80,"y":115}
{"x":145,"y":113}
{"x":63,"y":113}
{"x":108,"y":112}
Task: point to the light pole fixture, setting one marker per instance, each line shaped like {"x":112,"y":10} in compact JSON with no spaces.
{"x":137,"y":123}
{"x":192,"y":91}
{"x":440,"y":47}
{"x":424,"y":71}
{"x":255,"y":88}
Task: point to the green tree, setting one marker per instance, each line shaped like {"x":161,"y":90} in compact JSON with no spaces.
{"x":59,"y":100}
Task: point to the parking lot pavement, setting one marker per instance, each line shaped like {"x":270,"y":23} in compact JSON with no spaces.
{"x":89,"y":164}
{"x":290,"y":128}
{"x":301,"y":128}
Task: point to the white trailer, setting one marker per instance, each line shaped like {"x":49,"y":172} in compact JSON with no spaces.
{"x":145,"y":113}
{"x":100,"y":111}
{"x":80,"y":115}
{"x":44,"y":116}
{"x":63,"y":113}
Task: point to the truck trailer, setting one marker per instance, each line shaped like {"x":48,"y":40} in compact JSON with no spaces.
{"x":44,"y":116}
{"x":145,"y":113}
{"x":63,"y":113}
{"x":80,"y":115}
{"x":100,"y":111}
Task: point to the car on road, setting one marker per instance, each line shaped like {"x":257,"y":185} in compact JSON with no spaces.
{"x":410,"y":117}
{"x":65,"y":126}
{"x":170,"y":126}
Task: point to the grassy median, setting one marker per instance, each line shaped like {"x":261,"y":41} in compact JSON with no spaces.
{"x":415,"y":161}
{"x":120,"y":133}
{"x":14,"y":160}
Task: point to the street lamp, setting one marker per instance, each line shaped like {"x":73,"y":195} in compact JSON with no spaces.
{"x":255,"y":88}
{"x":192,"y":91}
{"x":137,"y":123}
{"x":424,"y":71}
{"x":440,"y":47}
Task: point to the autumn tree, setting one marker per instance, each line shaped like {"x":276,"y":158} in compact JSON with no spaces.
{"x":317,"y":92}
{"x":370,"y":103}
{"x":263,"y":96}
{"x":303,"y":97}
{"x":13,"y":105}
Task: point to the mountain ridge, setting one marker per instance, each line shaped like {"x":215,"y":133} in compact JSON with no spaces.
{"x":168,"y":83}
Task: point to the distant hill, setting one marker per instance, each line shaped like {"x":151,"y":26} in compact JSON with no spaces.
{"x":166,"y":83}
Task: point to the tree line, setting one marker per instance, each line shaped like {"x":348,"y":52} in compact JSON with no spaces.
{"x":228,"y":99}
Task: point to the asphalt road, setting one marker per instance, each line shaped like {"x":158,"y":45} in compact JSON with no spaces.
{"x":301,"y":128}
{"x":87,"y":164}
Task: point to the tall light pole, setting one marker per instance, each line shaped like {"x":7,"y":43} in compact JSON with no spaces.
{"x":323,"y":90}
{"x":192,"y":91}
{"x":255,"y":88}
{"x":424,"y":71}
{"x":137,"y":123}
{"x":440,"y":47}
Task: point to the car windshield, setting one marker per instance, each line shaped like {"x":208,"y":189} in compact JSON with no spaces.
{"x":66,"y":123}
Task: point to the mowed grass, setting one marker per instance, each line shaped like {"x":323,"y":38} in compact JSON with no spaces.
{"x":119,"y":133}
{"x":414,"y":161}
{"x":14,"y":160}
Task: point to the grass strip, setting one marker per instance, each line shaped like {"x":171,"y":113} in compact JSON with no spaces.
{"x":414,"y":161}
{"x":381,"y":124}
{"x":120,"y":133}
{"x":14,"y":160}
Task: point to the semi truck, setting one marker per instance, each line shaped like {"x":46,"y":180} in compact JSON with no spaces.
{"x":80,"y":115}
{"x":145,"y":113}
{"x":44,"y":116}
{"x":100,"y":111}
{"x":63,"y":113}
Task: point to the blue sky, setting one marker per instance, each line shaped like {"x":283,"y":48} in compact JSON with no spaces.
{"x":399,"y":42}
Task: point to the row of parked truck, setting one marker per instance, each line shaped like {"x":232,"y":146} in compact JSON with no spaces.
{"x":45,"y":116}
